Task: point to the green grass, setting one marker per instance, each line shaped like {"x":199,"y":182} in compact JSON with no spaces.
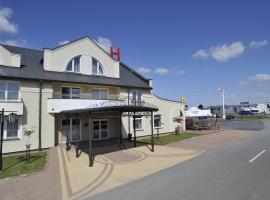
{"x":252,"y":117}
{"x":166,"y":139}
{"x":18,"y":165}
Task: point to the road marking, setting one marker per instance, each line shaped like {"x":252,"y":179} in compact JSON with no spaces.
{"x":255,"y":157}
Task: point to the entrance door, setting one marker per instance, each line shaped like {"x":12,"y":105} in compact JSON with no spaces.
{"x":100,"y":129}
{"x":71,"y":128}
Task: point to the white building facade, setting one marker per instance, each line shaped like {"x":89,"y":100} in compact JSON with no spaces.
{"x":59,"y":95}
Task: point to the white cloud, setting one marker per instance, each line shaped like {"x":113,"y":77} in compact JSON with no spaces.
{"x":258,"y":44}
{"x":225,"y":52}
{"x":202,"y":53}
{"x":181,"y":73}
{"x":5,"y":24}
{"x":260,"y":77}
{"x":241,"y":84}
{"x":16,"y":42}
{"x":104,"y":43}
{"x":144,"y":70}
{"x":222,"y":52}
{"x":63,"y":42}
{"x":161,"y":71}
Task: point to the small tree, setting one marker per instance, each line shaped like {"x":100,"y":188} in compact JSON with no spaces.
{"x":28,"y":133}
{"x":200,"y":107}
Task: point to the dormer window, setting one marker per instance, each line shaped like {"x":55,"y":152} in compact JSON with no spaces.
{"x":97,"y":68}
{"x":74,"y":65}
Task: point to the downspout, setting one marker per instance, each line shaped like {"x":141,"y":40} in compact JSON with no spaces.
{"x":40,"y":116}
{"x":129,"y":134}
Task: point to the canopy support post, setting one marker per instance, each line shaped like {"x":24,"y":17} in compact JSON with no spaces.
{"x":152,"y":133}
{"x":91,"y":159}
{"x":134,"y":130}
{"x":121,"y":136}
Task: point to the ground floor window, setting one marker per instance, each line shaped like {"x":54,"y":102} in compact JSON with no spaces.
{"x":71,"y":129}
{"x":100,"y":129}
{"x":157,"y":121}
{"x":138,"y":123}
{"x":11,"y":129}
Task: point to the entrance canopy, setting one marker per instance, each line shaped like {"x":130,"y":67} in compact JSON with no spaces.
{"x":135,"y":110}
{"x":116,"y":108}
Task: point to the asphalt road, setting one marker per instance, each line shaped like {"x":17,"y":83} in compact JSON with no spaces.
{"x":242,"y":124}
{"x":237,"y":171}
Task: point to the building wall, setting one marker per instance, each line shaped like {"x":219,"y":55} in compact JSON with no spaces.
{"x":29,"y":92}
{"x":57,"y":59}
{"x":167,"y":109}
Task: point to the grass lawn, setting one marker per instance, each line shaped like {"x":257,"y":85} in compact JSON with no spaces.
{"x":252,"y":117}
{"x":166,"y":139}
{"x":18,"y":165}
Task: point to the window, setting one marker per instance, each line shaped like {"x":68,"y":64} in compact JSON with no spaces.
{"x":99,"y":94}
{"x":11,"y":129}
{"x":74,"y":65}
{"x":71,"y":129}
{"x":71,"y":93}
{"x":157,"y":121}
{"x":137,"y":97}
{"x":97,"y":68}
{"x":138,"y":123}
{"x":100,"y":129}
{"x":9,"y":91}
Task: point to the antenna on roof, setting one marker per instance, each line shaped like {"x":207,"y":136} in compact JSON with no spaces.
{"x":115,"y":53}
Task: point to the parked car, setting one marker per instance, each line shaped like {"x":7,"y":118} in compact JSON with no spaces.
{"x":189,"y":124}
{"x":245,"y":112}
{"x":229,"y":117}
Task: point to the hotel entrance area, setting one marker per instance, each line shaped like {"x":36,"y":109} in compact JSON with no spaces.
{"x":87,"y":129}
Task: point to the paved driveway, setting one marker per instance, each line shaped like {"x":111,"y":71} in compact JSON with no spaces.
{"x":68,"y":177}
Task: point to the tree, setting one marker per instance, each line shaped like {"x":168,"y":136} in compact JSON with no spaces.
{"x":200,"y":107}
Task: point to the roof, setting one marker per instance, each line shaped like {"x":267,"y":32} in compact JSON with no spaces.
{"x":119,"y":108}
{"x":32,"y":68}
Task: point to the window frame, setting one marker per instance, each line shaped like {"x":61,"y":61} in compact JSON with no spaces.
{"x":99,"y":89}
{"x":99,"y":131}
{"x":19,"y":131}
{"x":161,"y":124}
{"x":72,"y":61}
{"x":70,"y":92}
{"x":6,"y":82}
{"x":99,"y":65}
{"x":70,"y":128}
{"x":136,"y":99}
{"x":137,"y":119}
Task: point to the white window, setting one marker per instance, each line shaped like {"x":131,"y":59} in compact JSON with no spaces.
{"x":100,"y":129}
{"x":97,"y":68}
{"x":136,"y":97}
{"x":9,"y":90}
{"x":71,"y":93}
{"x":138,"y":123}
{"x":99,"y":94}
{"x":74,"y":65}
{"x":11,"y":129}
{"x":71,"y":129}
{"x":157,"y":121}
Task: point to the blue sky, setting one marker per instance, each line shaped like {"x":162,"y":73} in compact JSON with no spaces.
{"x":190,"y":48}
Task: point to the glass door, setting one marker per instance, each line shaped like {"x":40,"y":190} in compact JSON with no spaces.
{"x":71,"y":128}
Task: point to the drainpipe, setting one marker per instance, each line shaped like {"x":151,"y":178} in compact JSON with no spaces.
{"x":129,"y":134}
{"x":40,"y":115}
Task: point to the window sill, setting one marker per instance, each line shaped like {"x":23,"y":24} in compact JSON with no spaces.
{"x":11,"y":139}
{"x":141,"y":129}
{"x":160,"y":127}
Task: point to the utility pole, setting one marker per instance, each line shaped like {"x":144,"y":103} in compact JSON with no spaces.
{"x":222,"y":90}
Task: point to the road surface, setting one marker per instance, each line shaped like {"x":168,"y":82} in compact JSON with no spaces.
{"x":237,"y":171}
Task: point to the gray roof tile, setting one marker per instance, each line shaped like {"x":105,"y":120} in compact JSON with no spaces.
{"x":32,"y":68}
